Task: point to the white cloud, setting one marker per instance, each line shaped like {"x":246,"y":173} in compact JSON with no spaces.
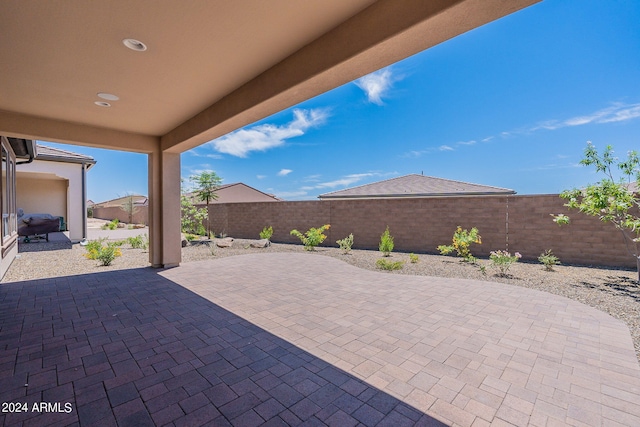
{"x":312,"y":178}
{"x":194,"y":153}
{"x":267,"y":136}
{"x":487,"y":139}
{"x":346,"y":180}
{"x":617,"y":112}
{"x":375,"y":85}
{"x":285,"y":194}
{"x":261,"y":176}
{"x":472,"y":142}
{"x":445,"y":148}
{"x":284,"y":172}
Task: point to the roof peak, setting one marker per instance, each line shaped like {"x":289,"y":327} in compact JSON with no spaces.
{"x":416,"y":185}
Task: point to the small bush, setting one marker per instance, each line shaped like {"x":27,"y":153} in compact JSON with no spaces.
{"x":113,"y":224}
{"x":386,"y":243}
{"x":346,"y":243}
{"x":502,"y":260}
{"x":93,"y":248}
{"x":108,"y":254}
{"x":104,"y":254}
{"x":384,"y":264}
{"x":462,"y":239}
{"x":138,"y":242}
{"x":312,"y":237}
{"x":413,"y":258}
{"x":190,"y":237}
{"x":266,"y":233}
{"x":548,"y":259}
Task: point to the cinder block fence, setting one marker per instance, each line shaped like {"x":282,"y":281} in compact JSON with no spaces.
{"x":516,"y":223}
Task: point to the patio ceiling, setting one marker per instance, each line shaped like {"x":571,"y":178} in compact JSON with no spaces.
{"x":210,"y":67}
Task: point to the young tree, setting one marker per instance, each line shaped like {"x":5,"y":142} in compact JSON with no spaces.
{"x":612,"y":201}
{"x":206,"y":183}
{"x":129,"y":207}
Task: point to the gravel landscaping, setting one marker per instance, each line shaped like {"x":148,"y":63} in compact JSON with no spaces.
{"x":613,"y":291}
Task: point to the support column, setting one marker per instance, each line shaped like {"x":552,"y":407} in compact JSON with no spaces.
{"x":165,"y":248}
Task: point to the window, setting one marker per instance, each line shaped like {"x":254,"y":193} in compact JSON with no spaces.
{"x":8,"y":187}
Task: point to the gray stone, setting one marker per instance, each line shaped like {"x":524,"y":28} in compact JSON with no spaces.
{"x":227,"y":242}
{"x":262,"y":243}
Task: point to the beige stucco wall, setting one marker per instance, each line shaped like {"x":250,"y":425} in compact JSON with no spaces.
{"x":42,"y":195}
{"x":72,"y":174}
{"x":7,"y":259}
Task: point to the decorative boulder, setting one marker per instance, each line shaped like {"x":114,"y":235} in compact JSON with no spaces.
{"x":227,"y":242}
{"x":262,"y":243}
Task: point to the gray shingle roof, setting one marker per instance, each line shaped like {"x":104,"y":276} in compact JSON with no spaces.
{"x":56,"y":154}
{"x":415,"y":185}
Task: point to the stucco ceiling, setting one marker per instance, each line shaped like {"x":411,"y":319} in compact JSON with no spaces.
{"x":211,"y":65}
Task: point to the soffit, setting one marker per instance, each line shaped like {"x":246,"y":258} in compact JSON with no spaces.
{"x":57,"y":55}
{"x":212,"y":66}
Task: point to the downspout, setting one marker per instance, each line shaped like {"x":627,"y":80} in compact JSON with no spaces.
{"x":32,"y":154}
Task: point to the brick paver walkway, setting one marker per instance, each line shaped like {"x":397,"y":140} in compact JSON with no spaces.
{"x":295,"y":339}
{"x":466,"y":352}
{"x":131,"y":348}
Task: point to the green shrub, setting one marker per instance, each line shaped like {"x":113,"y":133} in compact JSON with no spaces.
{"x":190,"y":237}
{"x":502,"y":260}
{"x":266,"y":233}
{"x":413,"y":258}
{"x":113,"y":224}
{"x":462,"y":239}
{"x":312,"y":237}
{"x":389,"y":265}
{"x":93,"y":248}
{"x":346,"y":243}
{"x":548,"y":259}
{"x":108,"y":254}
{"x":105,"y":254}
{"x":386,"y":243}
{"x":138,"y":242}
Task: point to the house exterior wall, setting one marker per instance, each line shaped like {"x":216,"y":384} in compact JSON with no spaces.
{"x":73,"y":173}
{"x":240,"y":193}
{"x":9,"y":223}
{"x":516,"y":223}
{"x":42,"y":195}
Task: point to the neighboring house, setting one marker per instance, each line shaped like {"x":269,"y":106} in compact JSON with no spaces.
{"x":55,"y":183}
{"x":236,"y":193}
{"x":131,"y":209}
{"x":414,"y":185}
{"x":12,"y":149}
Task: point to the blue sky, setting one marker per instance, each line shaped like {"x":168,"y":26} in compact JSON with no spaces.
{"x":511,"y":104}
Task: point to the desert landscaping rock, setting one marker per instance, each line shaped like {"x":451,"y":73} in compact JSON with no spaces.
{"x":613,"y":291}
{"x":226,"y":242}
{"x":262,"y":243}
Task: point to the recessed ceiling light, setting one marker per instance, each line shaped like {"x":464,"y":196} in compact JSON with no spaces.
{"x":102,"y":104}
{"x":134,"y":44}
{"x":108,"y":96}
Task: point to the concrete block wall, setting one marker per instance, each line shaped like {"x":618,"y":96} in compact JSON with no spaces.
{"x":140,"y":216}
{"x":586,"y":240}
{"x":516,"y":223}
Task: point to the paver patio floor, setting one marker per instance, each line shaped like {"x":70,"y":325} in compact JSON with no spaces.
{"x":466,"y":352}
{"x":297,"y":339}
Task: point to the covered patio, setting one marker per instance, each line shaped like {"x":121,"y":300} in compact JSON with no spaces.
{"x":325,"y":344}
{"x":162,"y":79}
